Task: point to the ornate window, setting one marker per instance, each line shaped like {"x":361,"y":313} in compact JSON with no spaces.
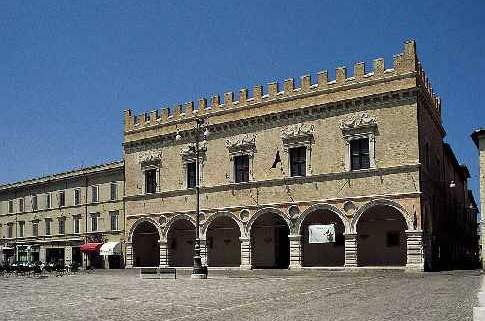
{"x":241,"y":168}
{"x":35,"y":228}
{"x":297,"y":143}
{"x":94,"y":194}
{"x":191,"y":174}
{"x":114,"y":220}
{"x":62,"y":198}
{"x":359,"y":154}
{"x":150,"y":165}
{"x":62,"y":225}
{"x":297,"y":156}
{"x":188,"y":155}
{"x":48,"y":200}
{"x":359,"y":134}
{"x":241,"y":155}
{"x":113,"y":191}
{"x":77,"y":196}
{"x":21,"y":228}
{"x":10,"y":230}
{"x":34,"y":203}
{"x":77,"y":221}
{"x":94,"y":222}
{"x":48,"y":226}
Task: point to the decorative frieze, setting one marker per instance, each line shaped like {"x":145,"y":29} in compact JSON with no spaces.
{"x":297,"y":133}
{"x":188,"y":151}
{"x":150,"y":156}
{"x":362,"y":121}
{"x":242,"y":144}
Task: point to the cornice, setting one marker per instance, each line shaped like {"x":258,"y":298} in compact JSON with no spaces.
{"x":283,"y":98}
{"x":65,"y":175}
{"x":387,"y":99}
{"x":361,"y":198}
{"x":406,"y":168}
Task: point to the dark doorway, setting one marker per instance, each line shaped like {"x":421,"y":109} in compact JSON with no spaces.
{"x":381,"y":237}
{"x":270,"y":245}
{"x":223,"y":246}
{"x":146,"y":250}
{"x":181,"y":238}
{"x":323,"y":254}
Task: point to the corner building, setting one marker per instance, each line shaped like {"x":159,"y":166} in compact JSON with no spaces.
{"x":363,"y":152}
{"x":50,"y":219}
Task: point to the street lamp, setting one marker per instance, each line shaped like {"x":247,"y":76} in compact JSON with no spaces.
{"x":198,"y":271}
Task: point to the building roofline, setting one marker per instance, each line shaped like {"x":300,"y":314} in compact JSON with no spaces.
{"x":64,"y":175}
{"x":472,"y":200}
{"x":462,"y":169}
{"x":477,"y":134}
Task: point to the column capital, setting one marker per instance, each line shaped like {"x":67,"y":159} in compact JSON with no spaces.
{"x":350,"y":235}
{"x":294,"y":237}
{"x":415,"y":232}
{"x":244,"y":239}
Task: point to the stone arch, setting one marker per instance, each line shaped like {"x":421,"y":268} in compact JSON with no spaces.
{"x":263,"y":211}
{"x":172,"y":220}
{"x":180,"y":235}
{"x":222,"y":233}
{"x":383,"y":202}
{"x":216,"y":215}
{"x":323,"y":207}
{"x":142,"y":220}
{"x":144,"y":237}
{"x":380,"y":227}
{"x":269,"y":231}
{"x":331,"y":253}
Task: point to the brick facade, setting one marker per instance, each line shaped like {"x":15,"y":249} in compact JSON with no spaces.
{"x":265,"y":220}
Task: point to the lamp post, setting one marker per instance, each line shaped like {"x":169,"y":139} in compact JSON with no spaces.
{"x":198,"y":271}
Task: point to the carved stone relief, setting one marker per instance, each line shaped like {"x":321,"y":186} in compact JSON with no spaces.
{"x":349,"y":208}
{"x":244,"y":215}
{"x":150,"y":156}
{"x":358,"y":121}
{"x":242,"y":143}
{"x":297,"y":132}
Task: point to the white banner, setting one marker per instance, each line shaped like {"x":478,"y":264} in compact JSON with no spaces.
{"x":321,"y":233}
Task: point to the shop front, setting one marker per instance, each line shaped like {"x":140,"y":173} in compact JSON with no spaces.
{"x":112,"y":255}
{"x":92,"y":259}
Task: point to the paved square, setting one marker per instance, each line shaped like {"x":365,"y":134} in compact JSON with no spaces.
{"x":248,"y":295}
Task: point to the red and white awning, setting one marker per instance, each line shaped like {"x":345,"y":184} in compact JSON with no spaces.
{"x":90,"y":247}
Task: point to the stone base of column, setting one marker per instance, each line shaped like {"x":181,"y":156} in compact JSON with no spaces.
{"x":295,"y":251}
{"x":350,"y":250}
{"x":203,"y":251}
{"x":163,"y":261}
{"x":415,"y":257}
{"x":129,"y":256}
{"x":245,"y":253}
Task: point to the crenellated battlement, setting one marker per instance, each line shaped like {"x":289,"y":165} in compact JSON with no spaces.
{"x":403,"y":63}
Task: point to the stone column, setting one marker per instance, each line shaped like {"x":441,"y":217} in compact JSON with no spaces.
{"x":67,"y":255}
{"x":203,"y":251}
{"x":245,"y":253}
{"x":42,"y":255}
{"x":415,"y":257}
{"x":129,"y":255}
{"x":295,"y":251}
{"x":351,"y":251}
{"x":163,"y":254}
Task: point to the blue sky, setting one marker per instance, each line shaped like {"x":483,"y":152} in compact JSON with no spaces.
{"x":69,"y":69}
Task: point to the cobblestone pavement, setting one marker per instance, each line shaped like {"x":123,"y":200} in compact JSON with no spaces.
{"x":248,"y":295}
